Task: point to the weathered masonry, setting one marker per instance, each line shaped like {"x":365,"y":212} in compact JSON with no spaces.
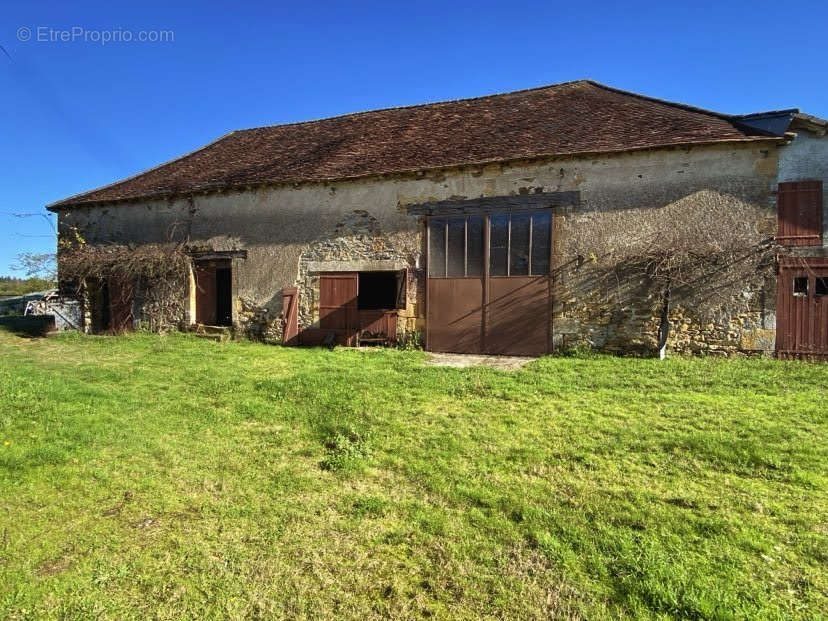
{"x":573,"y":215}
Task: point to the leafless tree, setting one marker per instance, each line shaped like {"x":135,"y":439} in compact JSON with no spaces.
{"x":704,"y":252}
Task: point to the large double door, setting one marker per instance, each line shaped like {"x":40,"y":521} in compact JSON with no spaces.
{"x":489,"y":285}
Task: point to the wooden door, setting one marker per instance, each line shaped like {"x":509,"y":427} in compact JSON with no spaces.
{"x":802,"y":308}
{"x":205,"y":277}
{"x":338,"y":313}
{"x":120,"y":305}
{"x":214,"y":292}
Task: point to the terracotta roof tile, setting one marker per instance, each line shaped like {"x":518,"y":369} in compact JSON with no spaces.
{"x":574,"y":117}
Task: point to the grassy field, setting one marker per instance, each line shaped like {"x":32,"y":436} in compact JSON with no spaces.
{"x":171,"y":477}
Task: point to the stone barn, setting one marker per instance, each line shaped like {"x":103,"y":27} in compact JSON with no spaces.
{"x":573,"y":215}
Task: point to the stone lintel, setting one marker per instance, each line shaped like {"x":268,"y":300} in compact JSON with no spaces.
{"x":360,"y":265}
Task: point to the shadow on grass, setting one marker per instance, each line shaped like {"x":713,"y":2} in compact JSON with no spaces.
{"x":28,"y":326}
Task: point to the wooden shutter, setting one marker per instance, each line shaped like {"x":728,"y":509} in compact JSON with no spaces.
{"x":402,"y":286}
{"x":799,"y":213}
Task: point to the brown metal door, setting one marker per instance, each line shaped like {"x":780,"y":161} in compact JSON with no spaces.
{"x":489,"y":289}
{"x":456,"y":275}
{"x":455,"y":315}
{"x":517,"y":316}
{"x":802,"y":308}
{"x":338,"y":305}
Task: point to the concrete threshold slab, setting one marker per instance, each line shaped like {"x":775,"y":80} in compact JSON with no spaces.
{"x":461,"y":361}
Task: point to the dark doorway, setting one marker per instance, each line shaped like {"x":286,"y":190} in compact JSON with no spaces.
{"x":214,"y":293}
{"x":111,"y":306}
{"x":224,"y":305}
{"x":100,"y":311}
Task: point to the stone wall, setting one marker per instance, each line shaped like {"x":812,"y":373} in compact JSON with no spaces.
{"x":628,"y":321}
{"x":806,"y":158}
{"x":729,"y":310}
{"x":357,"y":243}
{"x":290,"y":232}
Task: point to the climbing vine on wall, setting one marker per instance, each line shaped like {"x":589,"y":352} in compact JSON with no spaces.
{"x":153,"y":274}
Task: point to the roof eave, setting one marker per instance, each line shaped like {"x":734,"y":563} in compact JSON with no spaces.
{"x":63,"y":205}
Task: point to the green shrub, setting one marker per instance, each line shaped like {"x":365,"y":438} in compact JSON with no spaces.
{"x":410,"y":341}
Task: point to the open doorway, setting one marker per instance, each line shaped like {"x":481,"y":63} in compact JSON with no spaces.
{"x":111,"y":306}
{"x":214,"y":292}
{"x":224,"y":293}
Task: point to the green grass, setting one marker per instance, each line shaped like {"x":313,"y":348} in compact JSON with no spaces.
{"x":171,"y":477}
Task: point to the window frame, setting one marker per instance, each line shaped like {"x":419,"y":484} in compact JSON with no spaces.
{"x":485,"y":217}
{"x":530,"y":212}
{"x":820,"y":286}
{"x":445,"y":219}
{"x":798,"y":292}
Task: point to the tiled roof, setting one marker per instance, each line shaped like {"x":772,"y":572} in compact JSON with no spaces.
{"x":569,"y":118}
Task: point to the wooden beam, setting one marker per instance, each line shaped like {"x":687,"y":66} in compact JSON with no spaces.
{"x":543,"y":200}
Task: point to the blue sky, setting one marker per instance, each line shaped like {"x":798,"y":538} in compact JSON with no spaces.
{"x":83,"y":113}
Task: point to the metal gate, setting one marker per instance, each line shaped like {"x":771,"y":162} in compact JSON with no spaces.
{"x":489,"y":285}
{"x":802,"y":308}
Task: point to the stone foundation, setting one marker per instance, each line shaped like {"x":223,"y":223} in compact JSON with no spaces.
{"x":258,"y":323}
{"x":627,"y":322}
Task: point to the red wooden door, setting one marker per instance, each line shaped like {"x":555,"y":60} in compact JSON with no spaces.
{"x":799,"y":213}
{"x":290,"y":315}
{"x":120,"y":305}
{"x":338,"y":311}
{"x":205,"y":277}
{"x":802,"y":308}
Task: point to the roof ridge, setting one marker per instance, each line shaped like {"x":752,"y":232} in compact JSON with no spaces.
{"x":667,"y":102}
{"x":420,"y":105}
